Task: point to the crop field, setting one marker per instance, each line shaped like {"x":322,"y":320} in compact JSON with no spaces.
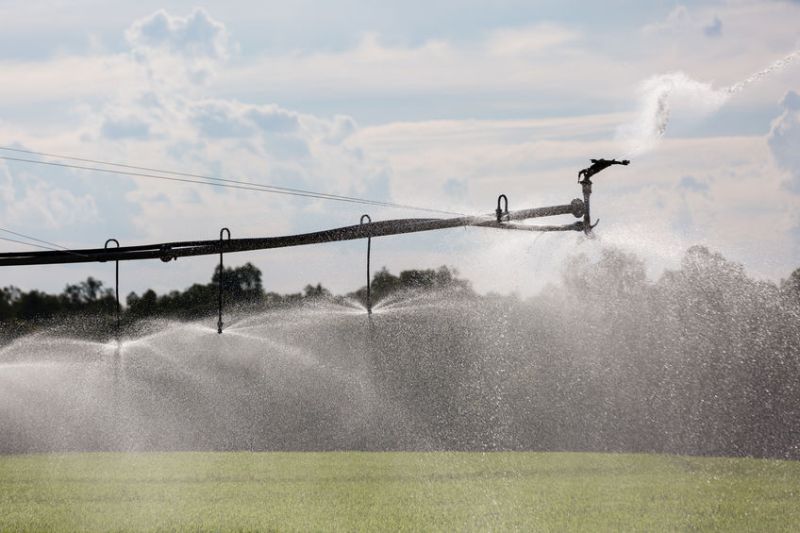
{"x":366,"y":491}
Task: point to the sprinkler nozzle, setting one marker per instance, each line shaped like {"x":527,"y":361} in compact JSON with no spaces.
{"x":598,"y":165}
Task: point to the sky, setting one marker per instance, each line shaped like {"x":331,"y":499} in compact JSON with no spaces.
{"x":440,"y":104}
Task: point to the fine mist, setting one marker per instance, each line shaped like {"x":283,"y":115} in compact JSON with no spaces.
{"x":704,"y":360}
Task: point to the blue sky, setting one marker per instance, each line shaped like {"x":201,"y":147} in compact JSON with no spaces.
{"x":443,"y":104}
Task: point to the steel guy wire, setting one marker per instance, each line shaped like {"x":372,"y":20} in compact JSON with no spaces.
{"x":221,"y":182}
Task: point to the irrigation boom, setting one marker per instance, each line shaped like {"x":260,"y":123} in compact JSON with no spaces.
{"x":172,"y":250}
{"x":168,"y":251}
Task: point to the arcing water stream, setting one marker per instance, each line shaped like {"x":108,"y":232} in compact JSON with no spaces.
{"x":657,"y":94}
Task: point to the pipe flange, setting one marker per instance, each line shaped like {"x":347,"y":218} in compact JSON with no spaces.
{"x":166,"y":253}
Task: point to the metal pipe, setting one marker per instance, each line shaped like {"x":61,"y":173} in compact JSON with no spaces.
{"x":585,"y":180}
{"x":369,"y":250}
{"x":173,"y":250}
{"x":219,"y":279}
{"x":116,"y":283}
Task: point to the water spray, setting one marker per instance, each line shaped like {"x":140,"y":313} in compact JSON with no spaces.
{"x":118,"y":343}
{"x":657,"y":91}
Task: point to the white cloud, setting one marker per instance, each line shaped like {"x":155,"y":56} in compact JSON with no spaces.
{"x":681,"y":21}
{"x":30,"y":201}
{"x":529,"y":40}
{"x":190,"y":46}
{"x":784,"y":139}
{"x":678,"y":19}
{"x":541,"y":60}
{"x":196,"y":35}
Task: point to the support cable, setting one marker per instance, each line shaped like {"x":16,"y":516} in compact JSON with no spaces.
{"x":48,"y":248}
{"x":145,"y":172}
{"x":29,"y":244}
{"x":33,"y":239}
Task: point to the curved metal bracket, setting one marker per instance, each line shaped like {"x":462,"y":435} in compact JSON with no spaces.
{"x":116,"y":282}
{"x":500,"y":212}
{"x":219,"y":278}
{"x":369,"y":251}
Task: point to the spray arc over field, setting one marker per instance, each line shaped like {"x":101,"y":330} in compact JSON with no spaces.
{"x":701,"y":361}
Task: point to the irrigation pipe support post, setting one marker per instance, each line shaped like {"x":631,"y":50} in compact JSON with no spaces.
{"x":219,"y":279}
{"x":116,"y":283}
{"x":585,"y":181}
{"x":369,"y":250}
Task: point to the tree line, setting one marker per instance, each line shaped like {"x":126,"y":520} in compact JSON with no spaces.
{"x":241,"y":285}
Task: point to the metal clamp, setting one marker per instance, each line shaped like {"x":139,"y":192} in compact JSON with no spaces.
{"x":166,"y":253}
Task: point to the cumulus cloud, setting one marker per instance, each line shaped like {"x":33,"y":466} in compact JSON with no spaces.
{"x":125,"y":128}
{"x":784,"y":138}
{"x":690,"y":183}
{"x":528,"y":40}
{"x":232,"y":139}
{"x":714,"y":29}
{"x":677,"y":19}
{"x":30,"y":201}
{"x":170,"y":45}
{"x":680,"y":21}
{"x":196,"y":35}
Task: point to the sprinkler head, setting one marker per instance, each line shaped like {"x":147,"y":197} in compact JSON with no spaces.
{"x":597,"y":166}
{"x":219,"y":327}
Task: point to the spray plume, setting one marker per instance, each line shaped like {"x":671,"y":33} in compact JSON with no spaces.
{"x":658,"y":93}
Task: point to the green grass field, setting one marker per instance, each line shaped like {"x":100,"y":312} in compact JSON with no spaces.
{"x":396,"y":492}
